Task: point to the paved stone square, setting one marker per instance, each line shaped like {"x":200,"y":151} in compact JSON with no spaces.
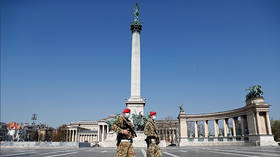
{"x":224,"y":151}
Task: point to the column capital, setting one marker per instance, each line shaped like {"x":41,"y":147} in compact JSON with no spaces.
{"x":136,"y":27}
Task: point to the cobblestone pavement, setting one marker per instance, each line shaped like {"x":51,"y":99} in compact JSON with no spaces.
{"x":225,"y":151}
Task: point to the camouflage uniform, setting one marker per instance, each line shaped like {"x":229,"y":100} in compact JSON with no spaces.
{"x":124,"y":149}
{"x":151,"y":129}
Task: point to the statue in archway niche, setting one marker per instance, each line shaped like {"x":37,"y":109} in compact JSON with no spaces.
{"x":254,"y":92}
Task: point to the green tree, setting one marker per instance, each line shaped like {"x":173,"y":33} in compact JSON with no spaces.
{"x":275,"y":126}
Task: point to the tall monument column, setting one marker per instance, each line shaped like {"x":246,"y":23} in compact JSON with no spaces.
{"x":136,"y":103}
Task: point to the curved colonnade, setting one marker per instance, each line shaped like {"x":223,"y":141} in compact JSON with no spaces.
{"x":249,"y":125}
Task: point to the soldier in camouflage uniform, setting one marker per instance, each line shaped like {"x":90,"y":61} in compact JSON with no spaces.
{"x":151,"y":131}
{"x":124,"y":145}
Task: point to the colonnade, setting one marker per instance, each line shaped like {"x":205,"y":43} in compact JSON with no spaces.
{"x":168,"y":134}
{"x":103,"y":131}
{"x":250,"y":123}
{"x":72,"y":135}
{"x":77,"y":134}
{"x":87,"y":137}
{"x":226,"y":129}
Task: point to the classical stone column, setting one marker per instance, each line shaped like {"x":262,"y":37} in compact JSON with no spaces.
{"x":225,"y":127}
{"x":77,"y":136}
{"x":268,"y":126}
{"x":166,"y":137}
{"x":74,"y":136}
{"x":216,"y":127}
{"x":234,"y":126}
{"x":69,"y":136}
{"x":206,"y":128}
{"x":135,"y":67}
{"x":172,"y":134}
{"x":195,"y":129}
{"x":135,"y":102}
{"x":242,"y":126}
{"x":102,"y":133}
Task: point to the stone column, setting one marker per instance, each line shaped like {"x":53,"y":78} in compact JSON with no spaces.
{"x":206,"y":128}
{"x":135,"y":102}
{"x":135,"y":65}
{"x":225,"y":127}
{"x":257,"y":123}
{"x":166,"y":137}
{"x":103,"y":133}
{"x":166,"y":134}
{"x":173,"y":139}
{"x":233,"y":126}
{"x":69,"y":135}
{"x":195,"y":129}
{"x":98,"y":134}
{"x":242,"y":126}
{"x":216,"y":127}
{"x":268,"y":126}
{"x":77,"y":136}
{"x":183,"y":132}
{"x":72,"y":135}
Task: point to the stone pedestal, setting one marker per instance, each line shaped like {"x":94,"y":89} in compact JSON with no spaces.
{"x":263,"y":140}
{"x":139,"y":141}
{"x":256,"y":101}
{"x":136,"y":107}
{"x":110,"y":141}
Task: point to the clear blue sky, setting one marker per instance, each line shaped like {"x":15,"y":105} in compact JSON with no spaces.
{"x":69,"y":60}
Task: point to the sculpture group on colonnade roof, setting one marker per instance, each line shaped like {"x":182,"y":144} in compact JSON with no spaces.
{"x":254,"y":92}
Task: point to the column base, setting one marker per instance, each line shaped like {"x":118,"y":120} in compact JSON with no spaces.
{"x":262,"y":140}
{"x":136,"y":107}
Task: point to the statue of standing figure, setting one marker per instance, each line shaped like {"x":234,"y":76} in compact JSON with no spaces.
{"x":181,"y":108}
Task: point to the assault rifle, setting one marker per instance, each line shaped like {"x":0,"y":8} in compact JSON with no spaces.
{"x":130,"y":129}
